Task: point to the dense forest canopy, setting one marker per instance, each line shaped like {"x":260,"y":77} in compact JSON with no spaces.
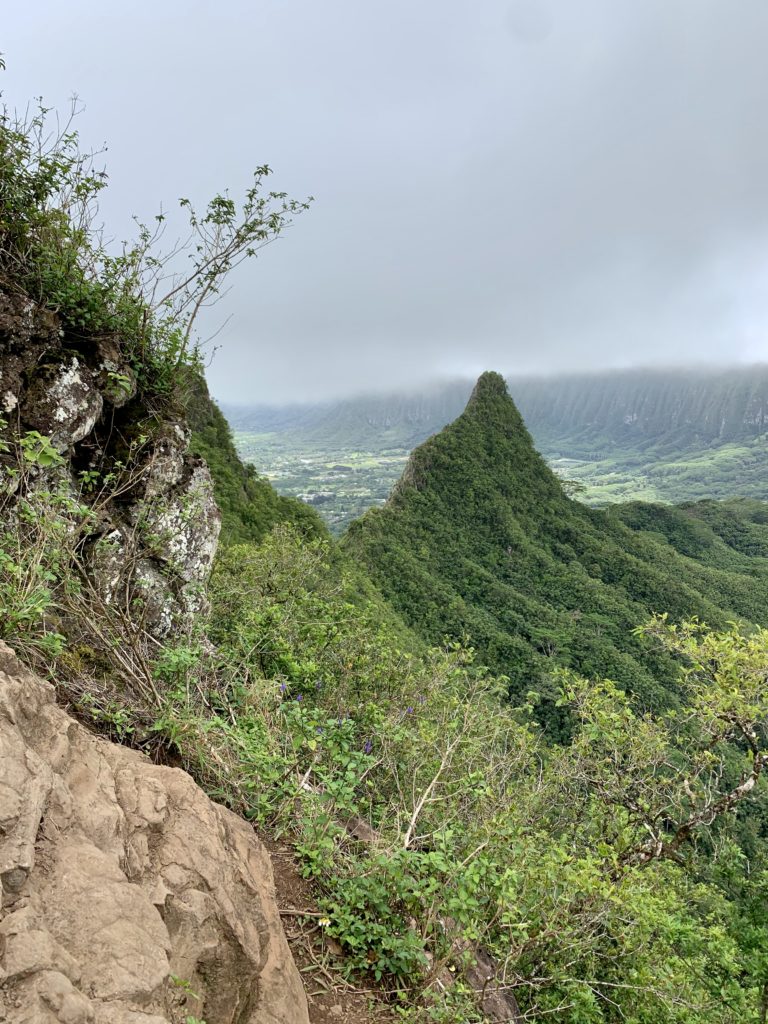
{"x":480,"y":539}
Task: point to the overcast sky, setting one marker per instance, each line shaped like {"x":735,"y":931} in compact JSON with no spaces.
{"x":525,"y":185}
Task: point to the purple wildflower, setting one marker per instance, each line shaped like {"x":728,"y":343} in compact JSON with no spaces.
{"x":409,"y":710}
{"x":283,"y":687}
{"x":368,"y":746}
{"x":300,"y":697}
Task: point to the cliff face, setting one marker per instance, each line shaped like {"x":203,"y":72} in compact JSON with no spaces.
{"x":128,"y":897}
{"x":690,"y":406}
{"x":152,"y":522}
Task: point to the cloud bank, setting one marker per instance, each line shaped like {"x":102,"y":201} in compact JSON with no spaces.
{"x":530,"y":185}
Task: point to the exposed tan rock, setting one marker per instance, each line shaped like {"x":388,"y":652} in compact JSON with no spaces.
{"x":128,"y":897}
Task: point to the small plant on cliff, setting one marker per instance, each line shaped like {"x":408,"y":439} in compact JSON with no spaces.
{"x":37,"y":450}
{"x":40,"y":523}
{"x":51,"y":246}
{"x":37,"y":538}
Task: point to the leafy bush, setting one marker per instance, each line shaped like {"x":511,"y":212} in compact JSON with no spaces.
{"x":432,"y":816}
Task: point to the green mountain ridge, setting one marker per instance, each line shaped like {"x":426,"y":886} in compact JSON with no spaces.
{"x":479,"y":539}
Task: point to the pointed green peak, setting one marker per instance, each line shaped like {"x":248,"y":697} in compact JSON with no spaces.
{"x":492,"y":404}
{"x":486,"y":450}
{"x":489,"y":385}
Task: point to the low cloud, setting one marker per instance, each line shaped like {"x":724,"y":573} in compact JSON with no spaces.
{"x":533,"y":186}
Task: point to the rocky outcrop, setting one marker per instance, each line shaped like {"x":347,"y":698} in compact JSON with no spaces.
{"x":128,"y":897}
{"x":155,"y":524}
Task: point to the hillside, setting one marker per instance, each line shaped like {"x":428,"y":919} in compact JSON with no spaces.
{"x":653,"y":435}
{"x":480,"y":539}
{"x":249,"y":505}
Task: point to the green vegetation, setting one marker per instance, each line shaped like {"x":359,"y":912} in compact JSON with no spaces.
{"x":604,"y":841}
{"x":480,"y":540}
{"x":310,"y":717}
{"x":34,"y":548}
{"x":618,"y":472}
{"x":51,"y":252}
{"x":590,"y":871}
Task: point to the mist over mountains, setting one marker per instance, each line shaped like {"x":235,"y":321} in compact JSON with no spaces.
{"x":694,"y":403}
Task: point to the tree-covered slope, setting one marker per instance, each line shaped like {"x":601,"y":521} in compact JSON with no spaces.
{"x":479,"y":538}
{"x":250,"y":507}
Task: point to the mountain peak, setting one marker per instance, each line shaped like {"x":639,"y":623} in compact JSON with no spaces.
{"x":486,"y":452}
{"x":489,"y":385}
{"x":493,"y":407}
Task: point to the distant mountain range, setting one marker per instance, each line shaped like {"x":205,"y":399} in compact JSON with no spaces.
{"x":374,"y":421}
{"x":691,"y":405}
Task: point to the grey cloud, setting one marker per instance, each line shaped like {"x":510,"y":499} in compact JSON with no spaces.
{"x":529,"y":20}
{"x":533,"y":185}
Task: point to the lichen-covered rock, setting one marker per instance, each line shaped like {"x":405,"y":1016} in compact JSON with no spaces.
{"x":166,"y":464}
{"x":26,"y":331}
{"x":153,"y":535}
{"x":128,"y":897}
{"x":63,"y":402}
{"x":106,"y":564}
{"x":185,"y":526}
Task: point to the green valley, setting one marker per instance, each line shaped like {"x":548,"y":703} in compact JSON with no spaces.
{"x":340,"y":483}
